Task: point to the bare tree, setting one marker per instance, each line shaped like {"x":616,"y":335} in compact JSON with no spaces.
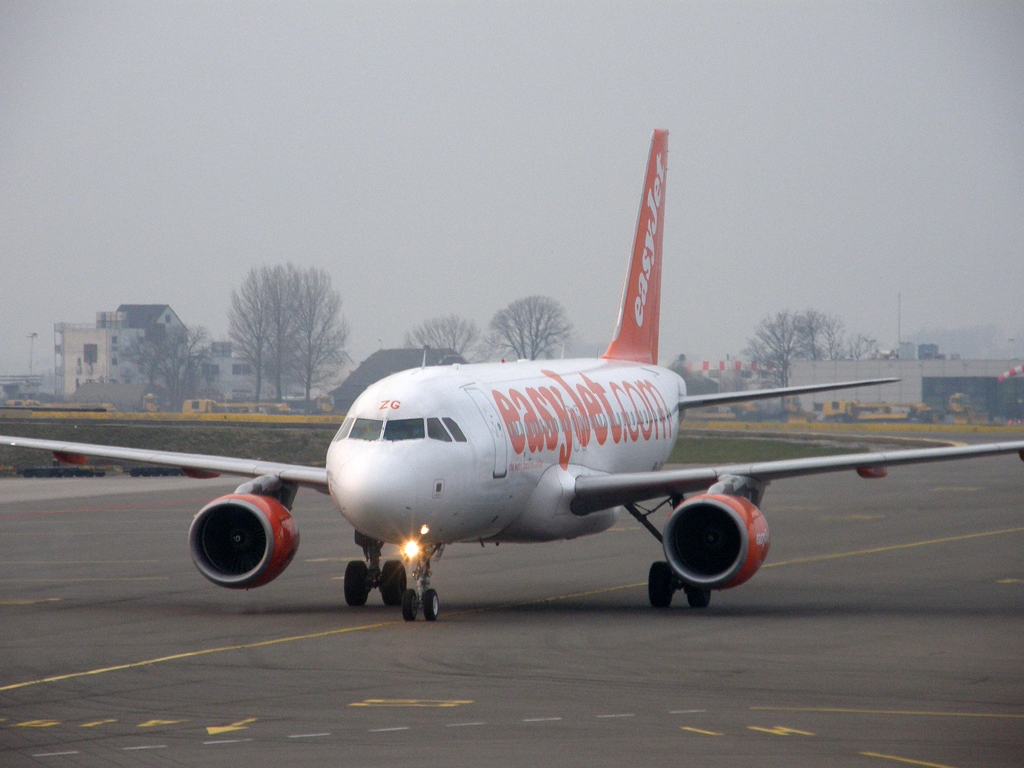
{"x":834,"y":337}
{"x":320,"y":328}
{"x":145,"y":356}
{"x":809,"y":325}
{"x":282,"y":286}
{"x":444,"y":332}
{"x":530,"y":328}
{"x":249,"y":324}
{"x":775,"y":345}
{"x":173,"y":359}
{"x":860,"y":346}
{"x":183,"y":352}
{"x":821,"y":335}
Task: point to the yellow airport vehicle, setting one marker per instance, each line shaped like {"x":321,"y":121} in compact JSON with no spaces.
{"x":850,"y":411}
{"x":963,"y":411}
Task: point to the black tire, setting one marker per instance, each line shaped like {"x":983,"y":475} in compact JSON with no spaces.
{"x":431,"y":605}
{"x":659,"y":584}
{"x":409,"y":605}
{"x":392,"y":582}
{"x":356,"y":589}
{"x":698,"y":598}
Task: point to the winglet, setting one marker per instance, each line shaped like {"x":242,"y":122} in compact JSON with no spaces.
{"x":636,"y":334}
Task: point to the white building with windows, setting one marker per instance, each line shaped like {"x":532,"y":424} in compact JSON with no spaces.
{"x":94,"y":354}
{"x":227,"y":377}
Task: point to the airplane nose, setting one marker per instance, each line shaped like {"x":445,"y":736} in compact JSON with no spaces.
{"x":377,"y":494}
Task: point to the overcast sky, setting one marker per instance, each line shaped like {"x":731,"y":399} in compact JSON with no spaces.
{"x":452,"y":158}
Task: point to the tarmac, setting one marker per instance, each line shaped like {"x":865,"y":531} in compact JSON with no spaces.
{"x":886,"y":628}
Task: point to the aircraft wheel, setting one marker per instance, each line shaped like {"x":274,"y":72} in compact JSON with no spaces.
{"x":698,"y":598}
{"x":431,"y":605}
{"x":392,"y":582}
{"x":356,"y":589}
{"x":659,"y":584}
{"x":409,"y":605}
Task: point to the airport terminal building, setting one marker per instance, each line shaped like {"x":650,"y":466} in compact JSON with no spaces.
{"x":932,"y":382}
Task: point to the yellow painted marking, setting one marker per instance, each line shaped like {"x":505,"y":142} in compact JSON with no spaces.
{"x":98,"y":722}
{"x":37,"y":724}
{"x":79,"y":562}
{"x":195,"y":654}
{"x":329,"y":559}
{"x":852,"y":517}
{"x":313,"y":636}
{"x":154,"y":723}
{"x":779,"y":730}
{"x":30,"y":602}
{"x":892,"y":548}
{"x":912,"y":713}
{"x":408,"y":703}
{"x":241,"y":725}
{"x":379,"y":625}
{"x":1010,"y":581}
{"x":905,"y":760}
{"x":698,"y":730}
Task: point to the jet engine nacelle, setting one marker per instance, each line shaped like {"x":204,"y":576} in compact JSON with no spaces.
{"x":715,"y":541}
{"x":241,"y":541}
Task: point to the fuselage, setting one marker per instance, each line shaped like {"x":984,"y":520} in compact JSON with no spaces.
{"x":490,"y":452}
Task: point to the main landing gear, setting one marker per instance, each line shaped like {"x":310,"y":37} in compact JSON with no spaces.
{"x":662,"y":583}
{"x":361,"y":577}
{"x":422,"y":596}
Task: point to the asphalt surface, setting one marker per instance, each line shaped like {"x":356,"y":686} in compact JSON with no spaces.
{"x":887,"y":628}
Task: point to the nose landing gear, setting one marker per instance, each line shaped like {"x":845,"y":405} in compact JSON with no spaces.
{"x":361,"y":577}
{"x":422,"y":596}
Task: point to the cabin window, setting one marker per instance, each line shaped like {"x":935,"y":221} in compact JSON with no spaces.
{"x":346,"y":425}
{"x":366,"y":429}
{"x":454,"y":429}
{"x":436,"y":431}
{"x":404,"y":429}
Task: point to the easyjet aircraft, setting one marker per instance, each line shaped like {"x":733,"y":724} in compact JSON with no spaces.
{"x":521,"y":451}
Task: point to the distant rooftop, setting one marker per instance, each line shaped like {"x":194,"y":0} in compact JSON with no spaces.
{"x":383,"y":363}
{"x":144,"y":315}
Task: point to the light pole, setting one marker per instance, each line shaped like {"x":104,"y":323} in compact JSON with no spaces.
{"x":31,"y":349}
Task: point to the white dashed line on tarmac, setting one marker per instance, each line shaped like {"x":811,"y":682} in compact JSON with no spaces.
{"x":56,"y":754}
{"x":626,"y":714}
{"x":540,"y":719}
{"x":463,"y":725}
{"x":146,"y":746}
{"x":224,"y":741}
{"x":386,"y":730}
{"x":308,"y":735}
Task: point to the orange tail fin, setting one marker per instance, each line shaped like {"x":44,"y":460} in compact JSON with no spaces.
{"x":636,"y":335}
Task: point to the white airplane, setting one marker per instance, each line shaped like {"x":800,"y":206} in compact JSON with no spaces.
{"x":514,"y":452}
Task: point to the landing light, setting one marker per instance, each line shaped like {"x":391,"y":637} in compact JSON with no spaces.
{"x":424,"y":530}
{"x":411,"y":549}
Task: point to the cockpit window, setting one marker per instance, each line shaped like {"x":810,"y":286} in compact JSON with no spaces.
{"x":404,"y":429}
{"x":454,"y":429}
{"x":366,"y":429}
{"x":436,"y":431}
{"x":346,"y":425}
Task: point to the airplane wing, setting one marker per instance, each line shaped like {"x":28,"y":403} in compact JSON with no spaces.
{"x":192,"y":464}
{"x":596,"y":492}
{"x":722,"y":398}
